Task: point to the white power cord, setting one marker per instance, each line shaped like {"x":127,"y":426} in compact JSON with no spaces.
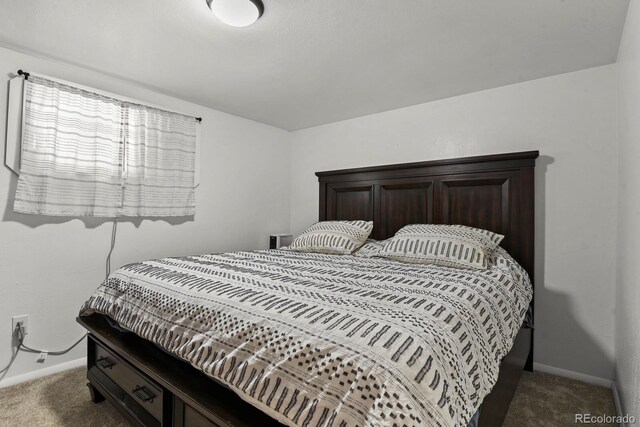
{"x":19,"y":331}
{"x":114,"y":230}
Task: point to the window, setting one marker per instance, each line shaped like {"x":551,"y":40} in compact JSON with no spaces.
{"x":87,"y":154}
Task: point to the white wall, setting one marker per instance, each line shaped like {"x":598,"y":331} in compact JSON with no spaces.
{"x":628,"y":300}
{"x":571,"y":119}
{"x":49,"y":266}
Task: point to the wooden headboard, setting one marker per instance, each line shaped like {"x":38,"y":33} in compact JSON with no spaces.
{"x":494,"y":192}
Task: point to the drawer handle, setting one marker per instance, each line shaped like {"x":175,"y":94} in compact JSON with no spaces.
{"x":143,"y":394}
{"x":105,"y":362}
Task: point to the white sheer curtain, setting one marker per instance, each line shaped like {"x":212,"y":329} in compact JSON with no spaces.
{"x":71,"y":152}
{"x":160,"y":158}
{"x":85,"y":154}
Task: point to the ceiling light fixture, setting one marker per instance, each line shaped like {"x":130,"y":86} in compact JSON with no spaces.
{"x":237,"y":13}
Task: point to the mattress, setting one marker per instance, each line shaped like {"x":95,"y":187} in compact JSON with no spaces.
{"x":329,"y":340}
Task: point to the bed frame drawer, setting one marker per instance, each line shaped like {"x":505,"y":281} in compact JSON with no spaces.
{"x":192,"y":418}
{"x":141,"y":396}
{"x":186,"y":416}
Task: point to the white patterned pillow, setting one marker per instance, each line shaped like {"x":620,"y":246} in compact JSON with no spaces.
{"x":333,"y":237}
{"x":370,"y":248}
{"x":448,"y":245}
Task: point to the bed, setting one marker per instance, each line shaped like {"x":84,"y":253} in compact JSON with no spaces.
{"x":314,"y":339}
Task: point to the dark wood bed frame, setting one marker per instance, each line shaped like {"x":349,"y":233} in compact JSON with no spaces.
{"x":496,"y":192}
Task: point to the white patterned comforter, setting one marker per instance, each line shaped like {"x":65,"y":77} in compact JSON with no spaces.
{"x":328,"y":340}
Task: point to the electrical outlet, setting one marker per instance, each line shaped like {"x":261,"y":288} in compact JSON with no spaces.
{"x":42,"y":357}
{"x":25,"y":323}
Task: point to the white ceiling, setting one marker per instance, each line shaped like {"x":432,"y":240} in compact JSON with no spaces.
{"x":309,"y":62}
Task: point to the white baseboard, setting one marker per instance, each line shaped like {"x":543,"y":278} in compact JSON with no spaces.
{"x":43,"y":372}
{"x":616,"y":401}
{"x":603,"y":382}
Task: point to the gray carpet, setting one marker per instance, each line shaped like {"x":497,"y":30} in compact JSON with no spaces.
{"x":548,"y":400}
{"x":57,"y":400}
{"x":63,"y":400}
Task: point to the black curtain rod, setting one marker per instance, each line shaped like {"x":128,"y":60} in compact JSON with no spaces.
{"x":26,"y":77}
